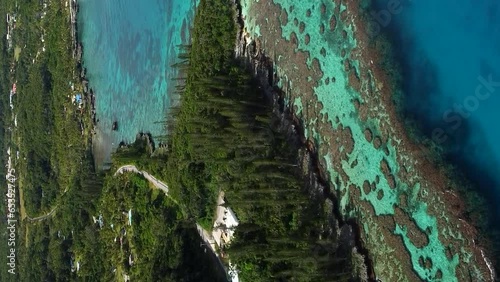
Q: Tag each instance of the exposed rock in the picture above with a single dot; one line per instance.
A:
(347, 233)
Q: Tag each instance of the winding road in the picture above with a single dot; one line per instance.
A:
(205, 235)
(132, 168)
(40, 218)
(126, 168)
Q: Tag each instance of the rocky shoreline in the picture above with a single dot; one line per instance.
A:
(443, 204)
(77, 50)
(438, 177)
(253, 52)
(348, 232)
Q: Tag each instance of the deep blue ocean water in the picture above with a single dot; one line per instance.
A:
(450, 57)
(129, 46)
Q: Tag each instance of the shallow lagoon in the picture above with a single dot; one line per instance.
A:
(129, 47)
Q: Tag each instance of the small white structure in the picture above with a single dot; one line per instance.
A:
(74, 266)
(224, 226)
(230, 222)
(233, 273)
(130, 260)
(99, 220)
(10, 101)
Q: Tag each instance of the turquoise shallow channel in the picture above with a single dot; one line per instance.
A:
(129, 46)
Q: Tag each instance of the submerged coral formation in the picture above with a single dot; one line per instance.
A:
(336, 83)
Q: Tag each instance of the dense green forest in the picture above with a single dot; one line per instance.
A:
(223, 136)
(49, 123)
(4, 93)
(56, 173)
(4, 86)
(55, 166)
(159, 245)
(4, 119)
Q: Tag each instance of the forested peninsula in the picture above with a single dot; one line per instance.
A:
(228, 134)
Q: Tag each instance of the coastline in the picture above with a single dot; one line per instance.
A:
(88, 93)
(434, 176)
(134, 92)
(445, 176)
(409, 154)
(249, 51)
(54, 126)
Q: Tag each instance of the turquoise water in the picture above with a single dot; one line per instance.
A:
(450, 51)
(129, 46)
(306, 20)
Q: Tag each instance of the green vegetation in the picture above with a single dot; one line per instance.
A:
(4, 121)
(213, 36)
(51, 243)
(161, 245)
(55, 170)
(49, 124)
(223, 137)
(4, 91)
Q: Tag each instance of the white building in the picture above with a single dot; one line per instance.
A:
(224, 226)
